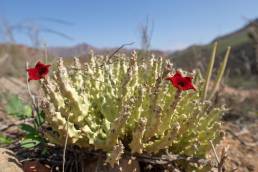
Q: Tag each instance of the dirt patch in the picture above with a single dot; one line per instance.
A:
(243, 147)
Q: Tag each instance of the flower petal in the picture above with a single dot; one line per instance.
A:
(39, 71)
(180, 82)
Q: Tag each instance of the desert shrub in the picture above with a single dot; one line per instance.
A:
(125, 104)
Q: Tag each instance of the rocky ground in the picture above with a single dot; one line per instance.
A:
(243, 147)
(241, 129)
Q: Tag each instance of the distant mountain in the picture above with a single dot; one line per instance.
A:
(77, 50)
(242, 57)
(82, 50)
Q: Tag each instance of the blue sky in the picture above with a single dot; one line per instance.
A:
(110, 23)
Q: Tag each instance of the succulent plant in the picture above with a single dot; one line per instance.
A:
(126, 104)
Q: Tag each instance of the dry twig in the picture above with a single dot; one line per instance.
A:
(66, 140)
(6, 127)
(222, 159)
(29, 90)
(108, 61)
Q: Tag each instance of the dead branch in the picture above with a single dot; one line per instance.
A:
(66, 140)
(108, 61)
(222, 159)
(15, 124)
(235, 136)
(35, 107)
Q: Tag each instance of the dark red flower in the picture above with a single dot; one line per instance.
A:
(181, 82)
(38, 72)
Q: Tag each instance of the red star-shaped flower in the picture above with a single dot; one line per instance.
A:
(180, 82)
(39, 71)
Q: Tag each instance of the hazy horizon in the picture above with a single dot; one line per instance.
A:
(104, 24)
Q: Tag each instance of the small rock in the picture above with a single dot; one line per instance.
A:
(34, 166)
(8, 161)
